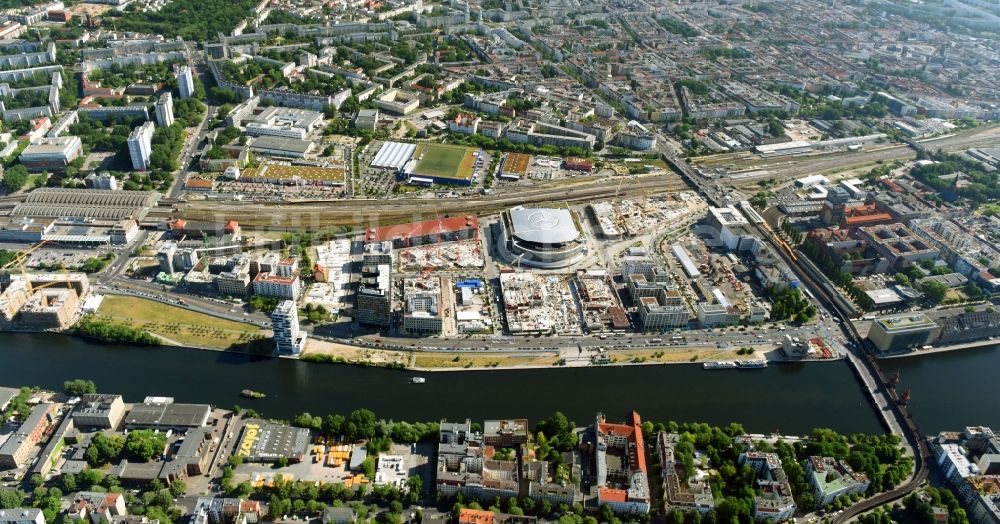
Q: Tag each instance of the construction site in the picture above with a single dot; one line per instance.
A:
(442, 257)
(40, 300)
(472, 306)
(536, 304)
(333, 276)
(705, 277)
(628, 218)
(600, 309)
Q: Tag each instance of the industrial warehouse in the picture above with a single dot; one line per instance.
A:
(87, 203)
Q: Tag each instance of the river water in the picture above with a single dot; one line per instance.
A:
(950, 390)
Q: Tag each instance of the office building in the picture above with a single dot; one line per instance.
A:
(422, 298)
(51, 154)
(374, 299)
(376, 253)
(165, 110)
(713, 315)
(288, 339)
(902, 332)
(235, 282)
(140, 146)
(734, 228)
(99, 411)
(284, 122)
(656, 315)
(165, 256)
(185, 81)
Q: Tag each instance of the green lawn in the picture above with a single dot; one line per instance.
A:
(445, 162)
(177, 324)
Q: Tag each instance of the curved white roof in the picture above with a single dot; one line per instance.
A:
(543, 225)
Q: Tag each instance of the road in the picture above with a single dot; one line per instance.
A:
(881, 393)
(187, 154)
(216, 308)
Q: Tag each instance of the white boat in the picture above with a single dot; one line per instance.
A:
(752, 364)
(719, 365)
(418, 380)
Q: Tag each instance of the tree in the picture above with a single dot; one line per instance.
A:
(144, 444)
(11, 498)
(178, 488)
(361, 424)
(414, 485)
(102, 449)
(368, 467)
(333, 425)
(14, 178)
(934, 290)
(79, 387)
(36, 480)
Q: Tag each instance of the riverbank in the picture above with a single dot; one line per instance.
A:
(469, 360)
(979, 344)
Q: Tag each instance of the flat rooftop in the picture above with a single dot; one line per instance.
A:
(905, 322)
(168, 415)
(306, 173)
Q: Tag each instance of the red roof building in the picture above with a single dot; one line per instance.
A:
(426, 232)
(625, 442)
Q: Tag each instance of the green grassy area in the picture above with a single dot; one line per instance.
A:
(177, 324)
(444, 161)
(468, 359)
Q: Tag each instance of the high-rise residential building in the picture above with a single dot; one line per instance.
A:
(140, 145)
(288, 339)
(165, 110)
(185, 81)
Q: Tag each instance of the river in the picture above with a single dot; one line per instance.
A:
(791, 398)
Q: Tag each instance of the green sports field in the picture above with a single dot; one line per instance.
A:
(445, 161)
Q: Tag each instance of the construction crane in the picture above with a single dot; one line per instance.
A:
(440, 226)
(20, 257)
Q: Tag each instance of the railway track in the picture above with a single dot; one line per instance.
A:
(864, 363)
(367, 212)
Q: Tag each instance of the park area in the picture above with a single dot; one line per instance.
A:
(441, 161)
(177, 326)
